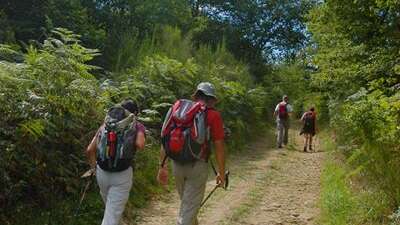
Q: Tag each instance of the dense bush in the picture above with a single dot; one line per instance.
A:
(48, 108)
(370, 125)
(358, 78)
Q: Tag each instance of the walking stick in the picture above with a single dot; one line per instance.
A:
(88, 174)
(208, 196)
(314, 143)
(216, 186)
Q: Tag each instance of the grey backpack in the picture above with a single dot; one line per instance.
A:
(116, 141)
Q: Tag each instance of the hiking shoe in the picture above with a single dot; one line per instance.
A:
(279, 146)
(305, 149)
(310, 148)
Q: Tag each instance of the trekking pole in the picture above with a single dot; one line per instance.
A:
(216, 187)
(315, 139)
(213, 167)
(88, 174)
(226, 174)
(209, 195)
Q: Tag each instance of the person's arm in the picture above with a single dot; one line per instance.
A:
(162, 176)
(140, 136)
(220, 157)
(91, 151)
(218, 136)
(302, 117)
(276, 111)
(140, 141)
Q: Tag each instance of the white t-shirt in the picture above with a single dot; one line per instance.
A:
(289, 108)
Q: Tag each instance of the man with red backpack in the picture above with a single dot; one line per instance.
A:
(189, 129)
(282, 114)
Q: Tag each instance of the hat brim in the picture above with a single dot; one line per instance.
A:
(206, 94)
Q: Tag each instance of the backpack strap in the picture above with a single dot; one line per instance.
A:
(206, 147)
(163, 161)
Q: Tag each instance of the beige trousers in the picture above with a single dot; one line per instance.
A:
(190, 182)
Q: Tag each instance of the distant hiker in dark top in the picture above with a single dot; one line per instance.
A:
(309, 127)
(190, 128)
(111, 154)
(282, 114)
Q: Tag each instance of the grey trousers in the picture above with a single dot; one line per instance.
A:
(283, 132)
(190, 182)
(114, 189)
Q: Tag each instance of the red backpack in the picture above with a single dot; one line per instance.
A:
(185, 134)
(282, 111)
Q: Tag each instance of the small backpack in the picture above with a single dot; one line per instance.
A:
(309, 120)
(185, 134)
(282, 111)
(116, 141)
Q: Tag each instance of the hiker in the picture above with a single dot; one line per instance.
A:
(188, 130)
(309, 127)
(282, 114)
(111, 154)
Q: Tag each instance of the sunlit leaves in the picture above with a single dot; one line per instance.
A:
(357, 55)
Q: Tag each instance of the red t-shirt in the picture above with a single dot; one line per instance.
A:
(214, 121)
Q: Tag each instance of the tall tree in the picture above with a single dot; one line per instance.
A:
(275, 27)
(358, 45)
(260, 32)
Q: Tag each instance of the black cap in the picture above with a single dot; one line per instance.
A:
(130, 105)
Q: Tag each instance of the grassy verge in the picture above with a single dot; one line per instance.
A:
(345, 198)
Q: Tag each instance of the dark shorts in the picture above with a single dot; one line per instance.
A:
(308, 130)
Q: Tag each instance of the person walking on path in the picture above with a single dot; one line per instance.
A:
(191, 170)
(309, 128)
(111, 154)
(282, 114)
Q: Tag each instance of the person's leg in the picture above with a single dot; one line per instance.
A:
(286, 132)
(179, 172)
(280, 129)
(305, 141)
(310, 142)
(103, 182)
(193, 193)
(179, 175)
(118, 195)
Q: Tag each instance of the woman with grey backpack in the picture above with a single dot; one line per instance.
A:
(111, 154)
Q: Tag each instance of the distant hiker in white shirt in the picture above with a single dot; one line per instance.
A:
(282, 114)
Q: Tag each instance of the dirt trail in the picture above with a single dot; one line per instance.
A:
(268, 187)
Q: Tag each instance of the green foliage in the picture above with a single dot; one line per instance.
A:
(49, 103)
(57, 104)
(337, 202)
(357, 53)
(345, 197)
(370, 124)
(155, 52)
(255, 31)
(275, 29)
(291, 79)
